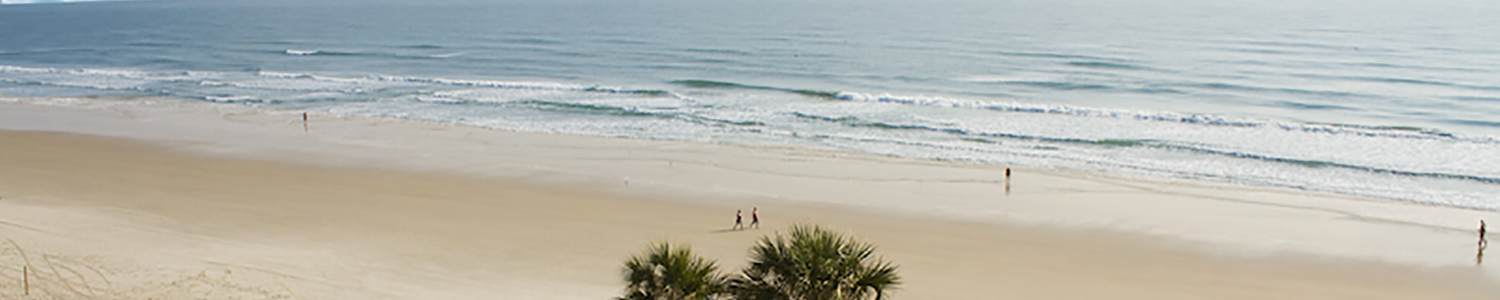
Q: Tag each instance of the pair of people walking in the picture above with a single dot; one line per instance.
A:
(739, 218)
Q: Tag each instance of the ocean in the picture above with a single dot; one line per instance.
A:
(1394, 100)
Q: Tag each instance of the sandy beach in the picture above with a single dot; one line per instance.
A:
(153, 198)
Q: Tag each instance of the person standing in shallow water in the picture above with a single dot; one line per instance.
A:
(755, 217)
(738, 216)
(1007, 181)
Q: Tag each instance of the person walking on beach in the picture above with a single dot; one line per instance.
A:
(1482, 241)
(755, 217)
(738, 215)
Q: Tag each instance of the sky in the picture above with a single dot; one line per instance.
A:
(46, 1)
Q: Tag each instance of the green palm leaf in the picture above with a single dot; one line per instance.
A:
(664, 272)
(813, 263)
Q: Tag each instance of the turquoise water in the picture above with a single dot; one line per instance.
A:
(1391, 100)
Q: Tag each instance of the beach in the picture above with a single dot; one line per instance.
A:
(144, 197)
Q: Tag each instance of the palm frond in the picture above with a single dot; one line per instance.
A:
(813, 263)
(665, 272)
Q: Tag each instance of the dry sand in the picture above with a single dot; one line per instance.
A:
(135, 198)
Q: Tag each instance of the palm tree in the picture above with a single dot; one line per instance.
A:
(812, 263)
(665, 272)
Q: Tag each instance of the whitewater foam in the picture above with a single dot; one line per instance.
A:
(1395, 162)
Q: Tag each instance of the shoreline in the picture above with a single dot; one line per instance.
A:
(1262, 239)
(728, 172)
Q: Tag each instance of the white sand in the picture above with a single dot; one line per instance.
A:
(421, 210)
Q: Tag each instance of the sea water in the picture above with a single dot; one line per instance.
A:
(1387, 99)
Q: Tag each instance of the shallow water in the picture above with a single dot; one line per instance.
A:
(1390, 100)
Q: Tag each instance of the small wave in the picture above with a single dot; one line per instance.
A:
(1480, 123)
(1328, 164)
(979, 140)
(334, 53)
(444, 100)
(1059, 85)
(1386, 128)
(1475, 98)
(1382, 131)
(1299, 45)
(596, 108)
(1258, 51)
(1400, 80)
(852, 121)
(462, 97)
(1360, 130)
(1122, 143)
(359, 83)
(620, 111)
(1310, 106)
(1052, 109)
(717, 51)
(1106, 65)
(816, 93)
(307, 83)
(97, 79)
(521, 85)
(1062, 83)
(966, 134)
(845, 119)
(231, 99)
(620, 90)
(527, 85)
(1396, 80)
(1383, 65)
(274, 74)
(91, 72)
(1157, 90)
(1247, 88)
(294, 52)
(708, 83)
(699, 83)
(969, 135)
(1056, 55)
(534, 41)
(621, 41)
(154, 44)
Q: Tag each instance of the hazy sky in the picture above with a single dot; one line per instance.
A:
(46, 1)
